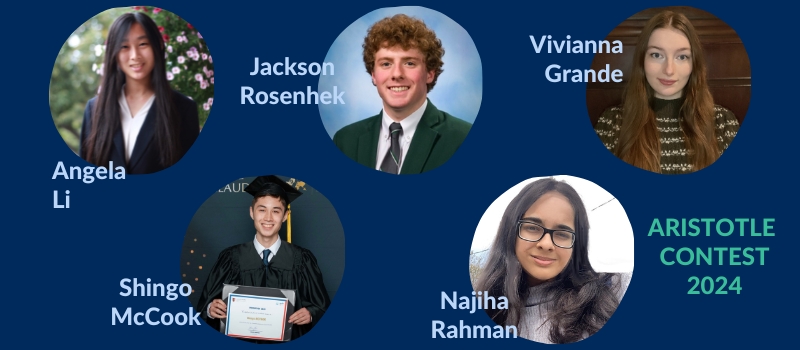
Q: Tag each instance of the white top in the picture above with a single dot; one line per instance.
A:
(272, 249)
(535, 323)
(409, 125)
(132, 124)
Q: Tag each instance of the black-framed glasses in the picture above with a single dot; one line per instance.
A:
(533, 232)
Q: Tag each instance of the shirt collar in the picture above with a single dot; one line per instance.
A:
(260, 248)
(409, 124)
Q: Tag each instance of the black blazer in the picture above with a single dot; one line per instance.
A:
(145, 157)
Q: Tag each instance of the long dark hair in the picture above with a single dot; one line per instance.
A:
(106, 113)
(583, 300)
(639, 141)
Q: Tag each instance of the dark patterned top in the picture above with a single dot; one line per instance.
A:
(674, 158)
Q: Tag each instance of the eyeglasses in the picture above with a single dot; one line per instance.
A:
(533, 232)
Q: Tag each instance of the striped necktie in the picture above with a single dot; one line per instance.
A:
(391, 162)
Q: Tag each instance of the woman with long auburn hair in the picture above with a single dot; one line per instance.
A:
(668, 122)
(539, 261)
(136, 120)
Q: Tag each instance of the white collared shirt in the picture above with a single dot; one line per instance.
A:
(409, 125)
(273, 249)
(132, 124)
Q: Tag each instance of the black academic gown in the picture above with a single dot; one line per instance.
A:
(293, 267)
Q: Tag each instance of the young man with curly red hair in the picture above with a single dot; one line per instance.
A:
(410, 135)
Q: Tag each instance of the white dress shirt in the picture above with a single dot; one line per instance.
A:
(132, 124)
(409, 125)
(273, 249)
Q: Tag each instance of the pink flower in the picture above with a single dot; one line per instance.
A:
(205, 106)
(203, 84)
(169, 48)
(205, 56)
(211, 81)
(199, 36)
(181, 59)
(210, 101)
(198, 77)
(170, 76)
(160, 29)
(209, 59)
(156, 10)
(176, 70)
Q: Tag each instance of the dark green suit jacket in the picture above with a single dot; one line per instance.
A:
(437, 137)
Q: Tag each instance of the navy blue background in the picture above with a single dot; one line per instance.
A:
(70, 261)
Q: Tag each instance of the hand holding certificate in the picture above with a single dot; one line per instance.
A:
(256, 317)
(300, 317)
(260, 313)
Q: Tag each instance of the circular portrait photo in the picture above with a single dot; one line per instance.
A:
(684, 94)
(414, 81)
(264, 257)
(132, 87)
(560, 250)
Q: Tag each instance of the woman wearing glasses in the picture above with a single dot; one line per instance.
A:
(539, 261)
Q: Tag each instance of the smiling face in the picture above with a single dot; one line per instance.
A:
(542, 260)
(402, 80)
(268, 215)
(668, 62)
(135, 57)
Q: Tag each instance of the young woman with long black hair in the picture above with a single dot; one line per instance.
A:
(539, 261)
(137, 120)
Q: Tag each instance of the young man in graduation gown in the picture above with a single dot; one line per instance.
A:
(266, 261)
(410, 135)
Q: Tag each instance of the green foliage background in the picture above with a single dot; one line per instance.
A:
(77, 71)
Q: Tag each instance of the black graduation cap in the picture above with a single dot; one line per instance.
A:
(272, 185)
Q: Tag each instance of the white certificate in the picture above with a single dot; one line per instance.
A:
(256, 317)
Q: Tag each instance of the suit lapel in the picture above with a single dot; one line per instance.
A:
(422, 144)
(368, 143)
(119, 146)
(145, 135)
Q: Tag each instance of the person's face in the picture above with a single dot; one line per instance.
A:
(268, 216)
(668, 63)
(542, 260)
(135, 57)
(401, 78)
